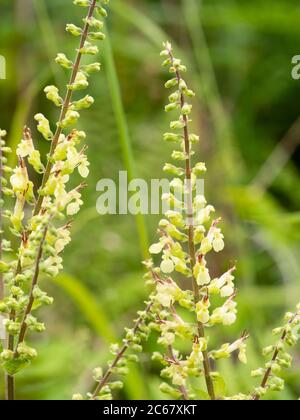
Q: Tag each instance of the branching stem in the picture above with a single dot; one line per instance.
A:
(182, 388)
(119, 356)
(265, 380)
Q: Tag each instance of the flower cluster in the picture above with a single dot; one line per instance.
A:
(121, 355)
(188, 233)
(186, 301)
(280, 357)
(43, 232)
(5, 191)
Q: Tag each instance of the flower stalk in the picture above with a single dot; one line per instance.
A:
(187, 235)
(41, 236)
(280, 357)
(191, 244)
(24, 326)
(66, 104)
(103, 381)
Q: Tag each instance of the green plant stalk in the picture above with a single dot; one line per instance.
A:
(119, 356)
(192, 251)
(9, 380)
(54, 142)
(207, 82)
(70, 284)
(96, 317)
(34, 282)
(124, 136)
(65, 107)
(116, 97)
(232, 161)
(211, 97)
(268, 372)
(1, 222)
(21, 112)
(1, 234)
(41, 11)
(182, 388)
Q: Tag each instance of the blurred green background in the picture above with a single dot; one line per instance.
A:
(247, 112)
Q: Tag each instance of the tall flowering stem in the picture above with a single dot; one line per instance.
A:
(182, 286)
(281, 359)
(42, 235)
(187, 235)
(66, 102)
(4, 244)
(1, 208)
(190, 218)
(130, 340)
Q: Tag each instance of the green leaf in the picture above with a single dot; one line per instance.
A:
(12, 367)
(219, 386)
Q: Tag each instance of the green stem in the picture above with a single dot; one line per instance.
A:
(10, 388)
(1, 224)
(46, 175)
(65, 107)
(191, 242)
(182, 388)
(2, 295)
(34, 282)
(9, 380)
(266, 377)
(119, 356)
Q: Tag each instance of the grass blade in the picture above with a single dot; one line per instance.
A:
(124, 136)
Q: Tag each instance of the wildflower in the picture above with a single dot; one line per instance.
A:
(44, 126)
(83, 103)
(202, 310)
(73, 29)
(26, 148)
(223, 285)
(167, 293)
(63, 61)
(88, 48)
(225, 314)
(53, 95)
(201, 274)
(80, 82)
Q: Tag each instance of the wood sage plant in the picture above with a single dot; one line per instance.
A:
(187, 303)
(39, 221)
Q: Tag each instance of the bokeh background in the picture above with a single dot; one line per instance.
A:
(247, 112)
